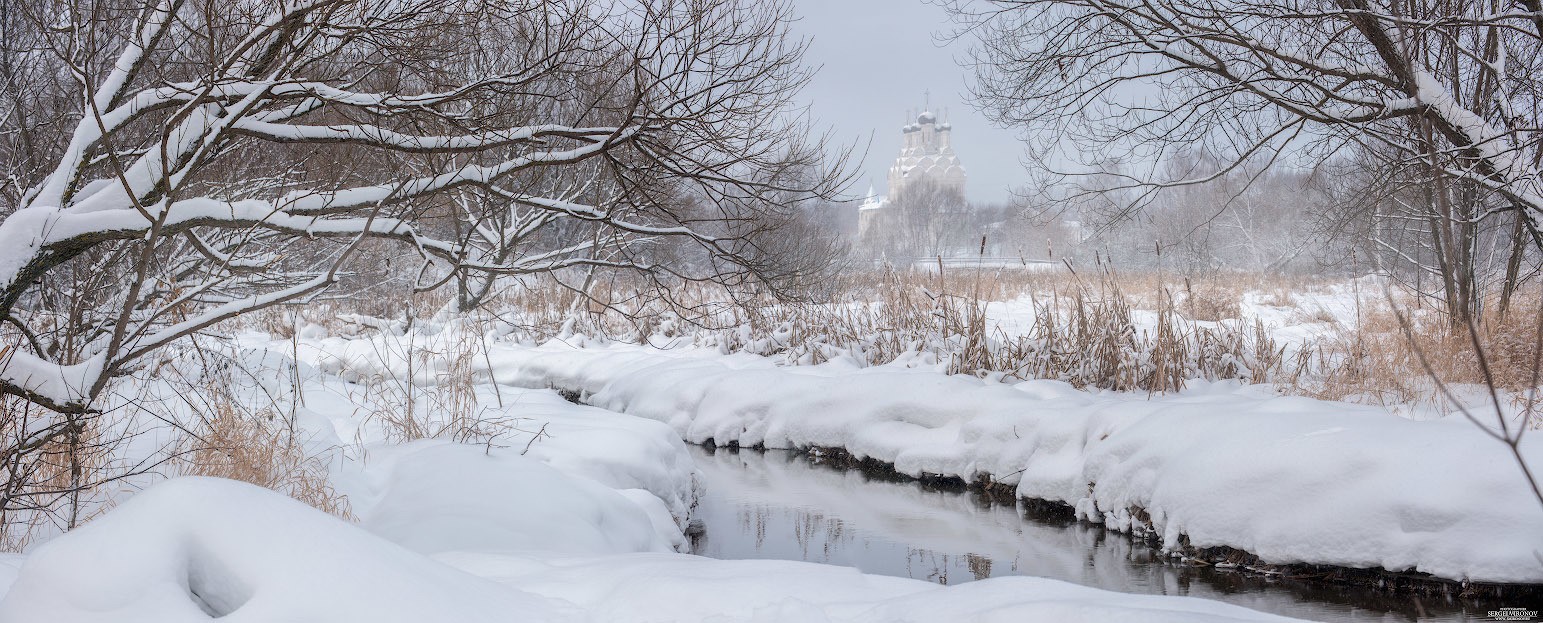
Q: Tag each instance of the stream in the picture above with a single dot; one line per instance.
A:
(781, 505)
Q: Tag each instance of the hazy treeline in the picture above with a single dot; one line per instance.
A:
(1419, 119)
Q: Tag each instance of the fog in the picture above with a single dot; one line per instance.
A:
(881, 58)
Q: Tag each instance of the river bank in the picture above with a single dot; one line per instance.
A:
(1210, 473)
(568, 513)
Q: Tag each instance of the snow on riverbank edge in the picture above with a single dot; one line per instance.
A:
(195, 548)
(1287, 479)
(575, 526)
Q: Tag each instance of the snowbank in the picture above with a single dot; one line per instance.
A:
(672, 587)
(539, 444)
(570, 513)
(435, 496)
(1289, 479)
(191, 549)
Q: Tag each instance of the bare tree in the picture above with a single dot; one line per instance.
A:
(926, 219)
(1448, 89)
(1438, 99)
(1447, 241)
(225, 157)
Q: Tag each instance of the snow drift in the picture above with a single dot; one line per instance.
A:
(434, 496)
(192, 548)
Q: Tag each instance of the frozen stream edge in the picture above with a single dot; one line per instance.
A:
(1218, 473)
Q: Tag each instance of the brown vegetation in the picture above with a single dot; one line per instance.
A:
(1084, 331)
(254, 447)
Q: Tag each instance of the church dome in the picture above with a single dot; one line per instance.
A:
(926, 117)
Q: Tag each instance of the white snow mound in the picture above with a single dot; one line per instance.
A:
(190, 549)
(435, 496)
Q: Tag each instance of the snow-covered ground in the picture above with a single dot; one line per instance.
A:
(561, 513)
(191, 549)
(1289, 479)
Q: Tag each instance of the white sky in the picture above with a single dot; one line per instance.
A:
(877, 57)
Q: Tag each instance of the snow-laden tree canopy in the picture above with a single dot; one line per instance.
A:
(174, 163)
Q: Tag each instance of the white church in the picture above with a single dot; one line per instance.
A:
(942, 224)
(926, 153)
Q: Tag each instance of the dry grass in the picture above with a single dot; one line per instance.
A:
(432, 393)
(1105, 329)
(224, 436)
(1084, 331)
(1391, 356)
(50, 465)
(256, 447)
(1211, 302)
(1088, 337)
(48, 480)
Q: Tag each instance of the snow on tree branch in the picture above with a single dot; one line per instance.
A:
(213, 163)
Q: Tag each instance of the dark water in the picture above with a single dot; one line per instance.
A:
(780, 505)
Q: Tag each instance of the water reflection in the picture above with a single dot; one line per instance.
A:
(776, 505)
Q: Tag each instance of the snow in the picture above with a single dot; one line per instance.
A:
(436, 496)
(572, 513)
(62, 384)
(1219, 464)
(579, 446)
(652, 587)
(192, 548)
(1289, 479)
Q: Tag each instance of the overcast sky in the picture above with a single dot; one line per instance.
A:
(878, 57)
